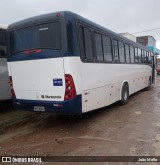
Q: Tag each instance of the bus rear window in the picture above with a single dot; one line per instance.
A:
(46, 35)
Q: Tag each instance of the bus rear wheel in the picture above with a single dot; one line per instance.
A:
(124, 94)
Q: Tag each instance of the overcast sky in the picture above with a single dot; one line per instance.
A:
(117, 15)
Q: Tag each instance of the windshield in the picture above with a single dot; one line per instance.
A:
(46, 35)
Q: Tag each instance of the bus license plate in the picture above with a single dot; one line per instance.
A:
(37, 108)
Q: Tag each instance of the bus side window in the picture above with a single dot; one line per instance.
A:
(107, 48)
(132, 54)
(121, 52)
(127, 53)
(115, 48)
(143, 57)
(99, 49)
(136, 55)
(149, 58)
(86, 43)
(139, 55)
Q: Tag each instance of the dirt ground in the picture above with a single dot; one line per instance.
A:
(129, 130)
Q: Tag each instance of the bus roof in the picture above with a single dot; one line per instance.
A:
(70, 15)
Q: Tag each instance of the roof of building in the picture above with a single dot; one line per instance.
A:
(154, 50)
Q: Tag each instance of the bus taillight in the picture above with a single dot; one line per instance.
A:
(11, 86)
(32, 51)
(70, 91)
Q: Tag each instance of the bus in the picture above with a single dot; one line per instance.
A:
(63, 63)
(5, 93)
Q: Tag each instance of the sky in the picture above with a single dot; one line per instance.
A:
(117, 15)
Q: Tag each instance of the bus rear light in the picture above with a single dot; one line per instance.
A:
(11, 86)
(70, 91)
(32, 51)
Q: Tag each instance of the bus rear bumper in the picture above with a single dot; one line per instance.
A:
(69, 107)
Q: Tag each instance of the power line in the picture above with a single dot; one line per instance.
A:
(147, 30)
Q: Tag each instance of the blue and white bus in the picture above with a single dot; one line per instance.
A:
(5, 93)
(63, 63)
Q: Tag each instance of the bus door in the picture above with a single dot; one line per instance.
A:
(153, 61)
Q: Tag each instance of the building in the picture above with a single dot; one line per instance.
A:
(129, 36)
(149, 42)
(146, 41)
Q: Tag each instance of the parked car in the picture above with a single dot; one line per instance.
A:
(158, 68)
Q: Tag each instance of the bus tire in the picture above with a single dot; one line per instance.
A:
(124, 94)
(149, 84)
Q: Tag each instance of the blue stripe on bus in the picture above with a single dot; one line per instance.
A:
(44, 54)
(70, 107)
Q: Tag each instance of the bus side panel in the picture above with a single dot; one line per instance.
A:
(101, 83)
